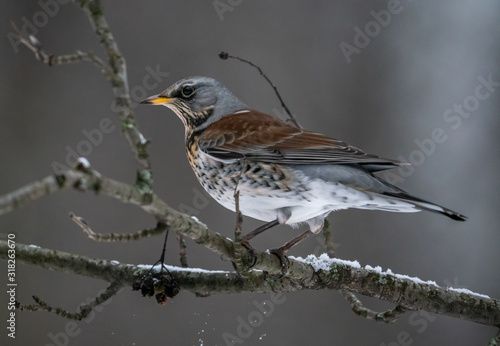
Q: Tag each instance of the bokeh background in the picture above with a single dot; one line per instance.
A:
(393, 92)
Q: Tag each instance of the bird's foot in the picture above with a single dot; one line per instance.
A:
(243, 264)
(285, 262)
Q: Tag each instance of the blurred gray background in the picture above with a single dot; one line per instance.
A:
(395, 91)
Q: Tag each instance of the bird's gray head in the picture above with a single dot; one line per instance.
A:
(197, 101)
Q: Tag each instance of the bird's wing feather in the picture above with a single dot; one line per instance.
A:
(257, 136)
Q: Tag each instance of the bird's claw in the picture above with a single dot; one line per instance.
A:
(239, 266)
(285, 262)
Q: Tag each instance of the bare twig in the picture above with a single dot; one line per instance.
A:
(84, 309)
(388, 316)
(239, 217)
(356, 305)
(240, 261)
(119, 81)
(224, 56)
(33, 44)
(330, 245)
(182, 250)
(116, 237)
(115, 71)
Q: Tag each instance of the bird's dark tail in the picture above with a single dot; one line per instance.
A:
(425, 205)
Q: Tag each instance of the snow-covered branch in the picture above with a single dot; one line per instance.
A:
(310, 273)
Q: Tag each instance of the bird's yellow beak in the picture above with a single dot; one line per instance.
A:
(157, 100)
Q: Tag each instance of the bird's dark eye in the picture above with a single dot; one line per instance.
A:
(187, 90)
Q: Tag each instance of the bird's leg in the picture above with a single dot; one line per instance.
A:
(281, 252)
(245, 242)
(259, 230)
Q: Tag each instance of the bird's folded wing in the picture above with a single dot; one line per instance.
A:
(257, 136)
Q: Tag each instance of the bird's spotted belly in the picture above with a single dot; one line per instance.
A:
(263, 188)
(266, 191)
(271, 191)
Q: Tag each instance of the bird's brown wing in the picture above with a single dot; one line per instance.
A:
(257, 136)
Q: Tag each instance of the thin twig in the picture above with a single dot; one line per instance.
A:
(116, 73)
(33, 44)
(330, 244)
(116, 237)
(84, 309)
(239, 218)
(388, 316)
(182, 250)
(224, 56)
(119, 82)
(240, 262)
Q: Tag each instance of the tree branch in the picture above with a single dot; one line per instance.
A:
(83, 310)
(116, 237)
(115, 71)
(119, 81)
(33, 44)
(388, 316)
(334, 274)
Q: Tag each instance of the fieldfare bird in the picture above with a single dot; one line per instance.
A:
(284, 175)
